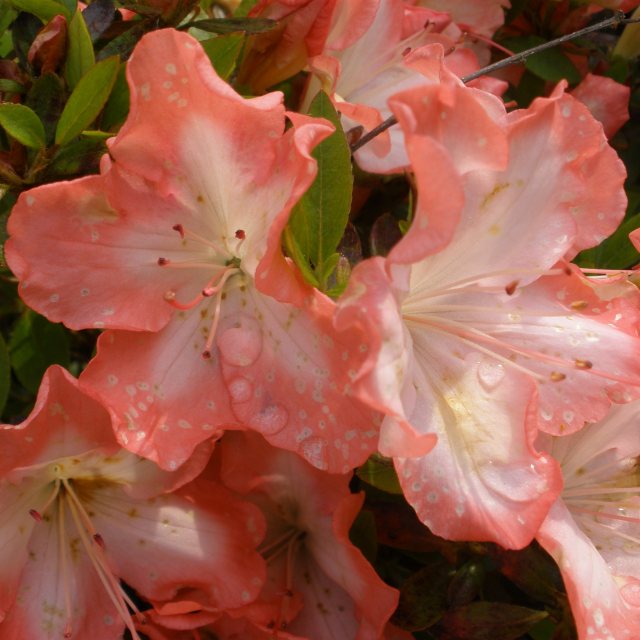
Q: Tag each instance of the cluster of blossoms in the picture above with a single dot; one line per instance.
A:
(219, 423)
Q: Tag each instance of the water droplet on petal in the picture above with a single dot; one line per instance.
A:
(240, 389)
(270, 420)
(490, 374)
(314, 450)
(241, 346)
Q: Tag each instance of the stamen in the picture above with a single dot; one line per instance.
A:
(556, 376)
(117, 595)
(510, 289)
(584, 364)
(206, 354)
(222, 275)
(609, 529)
(35, 515)
(207, 242)
(62, 547)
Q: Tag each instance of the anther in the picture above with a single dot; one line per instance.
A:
(240, 234)
(99, 540)
(578, 305)
(179, 228)
(567, 270)
(206, 354)
(169, 296)
(584, 364)
(407, 51)
(556, 376)
(35, 515)
(510, 289)
(163, 262)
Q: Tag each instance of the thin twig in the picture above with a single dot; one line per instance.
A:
(616, 20)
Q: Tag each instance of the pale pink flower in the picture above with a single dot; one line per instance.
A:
(486, 334)
(482, 17)
(593, 530)
(80, 514)
(176, 245)
(319, 585)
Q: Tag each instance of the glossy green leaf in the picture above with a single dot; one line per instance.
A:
(47, 97)
(44, 9)
(423, 597)
(87, 100)
(23, 124)
(551, 65)
(234, 25)
(223, 52)
(5, 374)
(489, 621)
(380, 473)
(320, 217)
(80, 57)
(117, 108)
(36, 344)
(615, 252)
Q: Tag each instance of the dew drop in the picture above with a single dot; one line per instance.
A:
(240, 389)
(241, 346)
(270, 420)
(314, 450)
(490, 374)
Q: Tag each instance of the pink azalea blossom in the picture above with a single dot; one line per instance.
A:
(176, 246)
(80, 513)
(487, 335)
(607, 100)
(593, 530)
(482, 17)
(318, 584)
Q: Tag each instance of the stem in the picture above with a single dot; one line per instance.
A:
(616, 20)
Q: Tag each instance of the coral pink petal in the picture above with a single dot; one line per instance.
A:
(607, 100)
(289, 376)
(55, 222)
(482, 480)
(39, 612)
(167, 398)
(595, 594)
(211, 548)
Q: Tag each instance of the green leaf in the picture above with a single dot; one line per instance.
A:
(489, 621)
(244, 7)
(615, 252)
(296, 253)
(223, 52)
(23, 124)
(380, 473)
(80, 56)
(117, 108)
(36, 344)
(319, 219)
(11, 86)
(233, 25)
(551, 65)
(87, 100)
(5, 374)
(44, 9)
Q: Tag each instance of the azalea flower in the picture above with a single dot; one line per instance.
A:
(593, 529)
(176, 246)
(80, 514)
(487, 334)
(319, 585)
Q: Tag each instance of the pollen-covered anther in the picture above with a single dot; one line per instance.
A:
(241, 234)
(169, 296)
(583, 364)
(556, 376)
(35, 515)
(180, 229)
(407, 51)
(99, 540)
(578, 305)
(510, 289)
(163, 262)
(206, 354)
